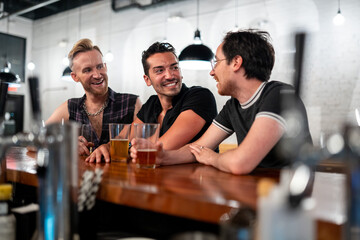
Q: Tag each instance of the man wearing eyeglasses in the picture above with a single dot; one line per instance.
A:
(100, 105)
(241, 69)
(184, 113)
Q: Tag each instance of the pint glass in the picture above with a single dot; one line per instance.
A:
(146, 135)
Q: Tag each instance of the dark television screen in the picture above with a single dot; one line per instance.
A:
(12, 49)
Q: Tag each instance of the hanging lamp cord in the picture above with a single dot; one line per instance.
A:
(197, 15)
(236, 13)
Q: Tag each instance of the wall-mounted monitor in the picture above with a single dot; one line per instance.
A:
(13, 50)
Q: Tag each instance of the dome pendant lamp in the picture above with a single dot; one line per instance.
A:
(196, 56)
(339, 19)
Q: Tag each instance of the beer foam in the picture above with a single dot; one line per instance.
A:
(146, 150)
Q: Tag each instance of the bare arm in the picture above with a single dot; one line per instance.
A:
(59, 114)
(262, 137)
(186, 126)
(211, 139)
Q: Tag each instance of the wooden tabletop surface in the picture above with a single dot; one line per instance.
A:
(193, 191)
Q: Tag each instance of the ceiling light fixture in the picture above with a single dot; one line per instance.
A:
(196, 56)
(176, 17)
(6, 75)
(109, 56)
(65, 61)
(339, 19)
(66, 75)
(31, 66)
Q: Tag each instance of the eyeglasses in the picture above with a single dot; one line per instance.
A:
(215, 61)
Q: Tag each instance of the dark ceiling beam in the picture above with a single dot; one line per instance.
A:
(132, 4)
(29, 9)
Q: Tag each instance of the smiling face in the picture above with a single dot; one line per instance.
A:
(221, 72)
(164, 74)
(89, 69)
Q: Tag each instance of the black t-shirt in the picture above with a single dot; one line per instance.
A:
(198, 99)
(266, 102)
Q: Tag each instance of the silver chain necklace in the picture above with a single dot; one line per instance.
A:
(98, 112)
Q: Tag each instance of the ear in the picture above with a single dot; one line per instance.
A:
(73, 76)
(237, 62)
(147, 80)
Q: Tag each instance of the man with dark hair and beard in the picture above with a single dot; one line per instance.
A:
(242, 67)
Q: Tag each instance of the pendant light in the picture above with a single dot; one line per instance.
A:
(5, 73)
(66, 75)
(196, 56)
(67, 71)
(339, 18)
(6, 78)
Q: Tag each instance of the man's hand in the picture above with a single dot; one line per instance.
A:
(99, 153)
(159, 148)
(203, 154)
(84, 145)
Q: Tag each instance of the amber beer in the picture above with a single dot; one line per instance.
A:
(119, 149)
(146, 158)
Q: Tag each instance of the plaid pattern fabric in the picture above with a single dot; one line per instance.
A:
(120, 109)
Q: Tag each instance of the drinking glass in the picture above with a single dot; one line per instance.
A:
(146, 135)
(119, 141)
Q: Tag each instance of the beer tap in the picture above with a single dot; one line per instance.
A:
(57, 170)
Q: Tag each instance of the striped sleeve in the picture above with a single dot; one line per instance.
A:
(222, 127)
(274, 116)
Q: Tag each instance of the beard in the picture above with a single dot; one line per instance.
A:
(97, 91)
(224, 89)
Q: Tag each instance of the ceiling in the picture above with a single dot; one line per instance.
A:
(37, 9)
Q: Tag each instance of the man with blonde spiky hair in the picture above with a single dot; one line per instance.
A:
(100, 105)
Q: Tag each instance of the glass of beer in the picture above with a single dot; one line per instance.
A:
(146, 135)
(119, 141)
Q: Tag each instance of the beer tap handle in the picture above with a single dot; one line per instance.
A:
(35, 98)
(300, 48)
(4, 89)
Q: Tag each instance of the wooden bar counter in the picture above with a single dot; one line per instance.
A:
(189, 191)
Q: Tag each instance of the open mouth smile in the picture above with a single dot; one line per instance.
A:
(170, 84)
(98, 83)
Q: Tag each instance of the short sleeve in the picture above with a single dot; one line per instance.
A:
(147, 112)
(202, 102)
(271, 106)
(222, 120)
